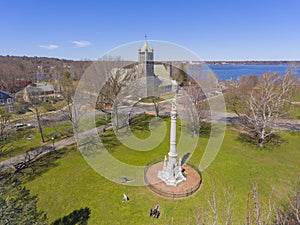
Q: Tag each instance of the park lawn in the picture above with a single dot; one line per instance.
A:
(295, 112)
(151, 99)
(102, 120)
(297, 95)
(168, 95)
(164, 96)
(20, 144)
(72, 184)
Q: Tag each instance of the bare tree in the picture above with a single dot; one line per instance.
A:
(155, 101)
(4, 121)
(256, 204)
(238, 92)
(213, 207)
(199, 101)
(265, 104)
(68, 87)
(180, 74)
(228, 198)
(10, 74)
(294, 204)
(34, 101)
(218, 211)
(259, 212)
(289, 213)
(118, 78)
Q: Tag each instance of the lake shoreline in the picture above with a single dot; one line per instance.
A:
(254, 62)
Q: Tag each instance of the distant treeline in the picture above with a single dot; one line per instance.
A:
(16, 69)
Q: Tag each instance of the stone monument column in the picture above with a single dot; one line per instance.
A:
(172, 153)
(171, 172)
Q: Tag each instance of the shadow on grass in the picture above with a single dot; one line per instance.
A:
(271, 141)
(109, 140)
(141, 123)
(102, 120)
(204, 129)
(185, 158)
(78, 217)
(42, 164)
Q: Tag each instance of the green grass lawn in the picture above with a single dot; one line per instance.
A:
(70, 183)
(151, 99)
(295, 112)
(18, 143)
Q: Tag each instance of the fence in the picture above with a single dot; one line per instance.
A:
(172, 194)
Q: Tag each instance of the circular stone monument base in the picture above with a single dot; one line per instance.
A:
(182, 190)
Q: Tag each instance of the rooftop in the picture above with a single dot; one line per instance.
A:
(146, 47)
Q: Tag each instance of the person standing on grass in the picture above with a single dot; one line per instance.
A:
(125, 198)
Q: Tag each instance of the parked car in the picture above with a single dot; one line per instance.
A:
(19, 126)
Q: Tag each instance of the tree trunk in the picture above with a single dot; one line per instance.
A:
(156, 110)
(262, 138)
(260, 143)
(39, 123)
(116, 119)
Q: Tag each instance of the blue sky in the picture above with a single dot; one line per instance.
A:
(215, 30)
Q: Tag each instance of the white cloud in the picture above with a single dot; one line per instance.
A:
(50, 47)
(82, 43)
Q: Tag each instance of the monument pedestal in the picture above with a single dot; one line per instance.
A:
(171, 173)
(182, 190)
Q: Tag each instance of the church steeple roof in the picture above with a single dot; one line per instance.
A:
(146, 46)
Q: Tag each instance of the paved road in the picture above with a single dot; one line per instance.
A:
(49, 116)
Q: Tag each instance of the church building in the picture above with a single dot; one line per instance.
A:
(158, 74)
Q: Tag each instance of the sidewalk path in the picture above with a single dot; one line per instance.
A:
(36, 153)
(9, 163)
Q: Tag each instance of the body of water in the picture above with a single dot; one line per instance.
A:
(233, 72)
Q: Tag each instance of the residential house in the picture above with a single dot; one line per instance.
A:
(43, 91)
(6, 100)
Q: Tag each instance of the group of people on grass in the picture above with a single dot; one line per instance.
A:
(153, 212)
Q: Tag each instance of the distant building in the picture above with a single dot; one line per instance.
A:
(15, 86)
(44, 76)
(160, 74)
(6, 100)
(146, 61)
(156, 75)
(41, 91)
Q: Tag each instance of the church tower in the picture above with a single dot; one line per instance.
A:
(146, 61)
(146, 69)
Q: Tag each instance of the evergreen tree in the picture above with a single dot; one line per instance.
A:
(17, 206)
